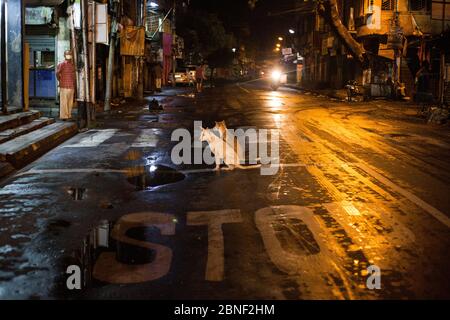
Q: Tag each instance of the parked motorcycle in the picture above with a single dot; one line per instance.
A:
(352, 90)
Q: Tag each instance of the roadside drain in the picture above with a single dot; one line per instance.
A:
(155, 175)
(77, 193)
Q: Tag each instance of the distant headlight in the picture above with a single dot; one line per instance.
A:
(276, 75)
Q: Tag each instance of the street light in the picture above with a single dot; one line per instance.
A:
(280, 38)
(234, 49)
(278, 45)
(277, 49)
(153, 4)
(291, 31)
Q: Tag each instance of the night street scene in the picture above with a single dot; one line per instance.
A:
(252, 152)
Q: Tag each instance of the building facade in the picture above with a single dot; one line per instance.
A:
(399, 37)
(35, 34)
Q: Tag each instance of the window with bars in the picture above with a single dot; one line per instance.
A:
(388, 5)
(419, 5)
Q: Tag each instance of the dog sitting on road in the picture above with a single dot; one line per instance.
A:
(227, 136)
(223, 151)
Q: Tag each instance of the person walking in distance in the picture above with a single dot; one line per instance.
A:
(65, 73)
(200, 76)
(158, 76)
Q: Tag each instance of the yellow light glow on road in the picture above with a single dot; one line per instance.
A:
(278, 119)
(275, 101)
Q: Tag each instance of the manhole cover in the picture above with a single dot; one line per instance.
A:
(156, 175)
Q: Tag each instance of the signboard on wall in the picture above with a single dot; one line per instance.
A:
(286, 51)
(132, 41)
(101, 23)
(38, 15)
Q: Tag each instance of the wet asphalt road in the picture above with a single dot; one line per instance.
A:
(360, 185)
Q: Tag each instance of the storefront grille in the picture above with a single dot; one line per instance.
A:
(388, 5)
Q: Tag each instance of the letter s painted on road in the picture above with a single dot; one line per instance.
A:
(108, 269)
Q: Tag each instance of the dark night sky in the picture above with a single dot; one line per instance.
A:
(263, 29)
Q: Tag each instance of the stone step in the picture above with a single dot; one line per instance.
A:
(26, 148)
(12, 110)
(10, 134)
(16, 119)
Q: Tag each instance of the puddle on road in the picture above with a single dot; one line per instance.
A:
(56, 226)
(149, 118)
(187, 95)
(154, 176)
(101, 243)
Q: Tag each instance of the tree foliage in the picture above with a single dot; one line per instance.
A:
(204, 35)
(220, 58)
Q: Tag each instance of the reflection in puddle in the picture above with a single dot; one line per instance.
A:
(100, 242)
(188, 95)
(155, 175)
(134, 249)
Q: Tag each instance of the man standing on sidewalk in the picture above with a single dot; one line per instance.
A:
(200, 76)
(65, 73)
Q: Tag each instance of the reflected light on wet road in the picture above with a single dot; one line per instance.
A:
(275, 103)
(278, 118)
(275, 100)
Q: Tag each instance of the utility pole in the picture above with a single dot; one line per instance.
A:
(442, 61)
(174, 28)
(3, 79)
(93, 55)
(73, 39)
(112, 46)
(84, 30)
(140, 59)
(79, 61)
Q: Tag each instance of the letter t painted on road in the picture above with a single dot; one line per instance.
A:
(214, 221)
